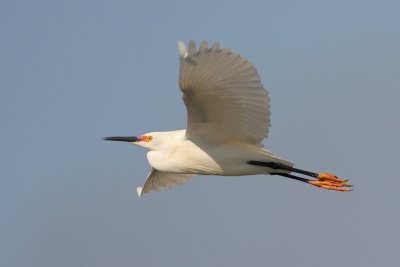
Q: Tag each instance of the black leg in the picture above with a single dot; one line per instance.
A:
(291, 177)
(279, 166)
(324, 180)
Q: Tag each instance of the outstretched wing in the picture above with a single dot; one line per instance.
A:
(223, 94)
(158, 180)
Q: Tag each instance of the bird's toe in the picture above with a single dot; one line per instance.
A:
(331, 182)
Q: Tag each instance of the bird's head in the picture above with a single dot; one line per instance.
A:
(148, 140)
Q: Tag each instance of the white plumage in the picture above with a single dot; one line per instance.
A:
(223, 95)
(227, 118)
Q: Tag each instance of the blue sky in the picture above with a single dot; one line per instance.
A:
(75, 71)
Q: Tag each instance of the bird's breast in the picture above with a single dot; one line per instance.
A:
(184, 157)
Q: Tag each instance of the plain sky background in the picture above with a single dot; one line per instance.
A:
(72, 72)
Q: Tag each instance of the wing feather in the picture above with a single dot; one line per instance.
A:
(157, 180)
(223, 94)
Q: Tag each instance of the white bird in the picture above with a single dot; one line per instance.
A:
(227, 118)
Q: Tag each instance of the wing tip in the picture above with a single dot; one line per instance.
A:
(139, 190)
(183, 52)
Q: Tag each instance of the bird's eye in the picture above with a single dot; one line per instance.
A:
(149, 138)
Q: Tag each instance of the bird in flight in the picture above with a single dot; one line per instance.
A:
(227, 118)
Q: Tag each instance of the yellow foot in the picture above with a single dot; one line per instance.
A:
(331, 182)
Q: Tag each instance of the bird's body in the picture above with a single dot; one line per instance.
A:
(228, 117)
(207, 157)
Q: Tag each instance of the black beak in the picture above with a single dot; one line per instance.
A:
(121, 138)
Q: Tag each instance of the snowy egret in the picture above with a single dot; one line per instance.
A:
(227, 118)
